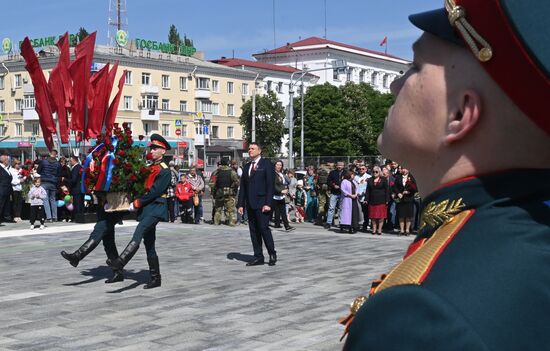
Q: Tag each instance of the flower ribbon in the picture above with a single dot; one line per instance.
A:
(110, 165)
(106, 167)
(87, 163)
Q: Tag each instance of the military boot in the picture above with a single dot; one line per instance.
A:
(126, 255)
(79, 254)
(154, 270)
(118, 274)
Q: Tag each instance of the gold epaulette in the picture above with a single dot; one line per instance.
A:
(415, 268)
(163, 165)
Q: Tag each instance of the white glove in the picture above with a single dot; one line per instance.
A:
(106, 207)
(131, 208)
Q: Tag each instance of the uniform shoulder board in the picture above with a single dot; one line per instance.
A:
(163, 165)
(415, 268)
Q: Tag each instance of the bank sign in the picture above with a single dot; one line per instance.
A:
(50, 41)
(166, 48)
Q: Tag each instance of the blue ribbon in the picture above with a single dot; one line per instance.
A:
(87, 162)
(111, 165)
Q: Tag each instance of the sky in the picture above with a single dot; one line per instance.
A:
(237, 28)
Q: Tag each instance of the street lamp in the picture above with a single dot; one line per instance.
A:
(340, 64)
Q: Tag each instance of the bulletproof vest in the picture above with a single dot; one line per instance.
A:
(224, 179)
(322, 176)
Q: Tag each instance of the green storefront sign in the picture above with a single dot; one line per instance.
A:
(50, 41)
(166, 48)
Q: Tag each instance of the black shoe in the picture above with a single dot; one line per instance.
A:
(272, 259)
(125, 256)
(326, 226)
(256, 262)
(118, 276)
(154, 270)
(277, 226)
(79, 254)
(289, 229)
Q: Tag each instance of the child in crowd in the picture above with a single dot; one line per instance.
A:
(184, 193)
(37, 195)
(300, 202)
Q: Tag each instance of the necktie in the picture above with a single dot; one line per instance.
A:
(253, 168)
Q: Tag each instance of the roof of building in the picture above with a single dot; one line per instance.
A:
(311, 42)
(237, 62)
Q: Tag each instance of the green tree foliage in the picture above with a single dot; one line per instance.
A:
(174, 37)
(270, 116)
(82, 33)
(342, 120)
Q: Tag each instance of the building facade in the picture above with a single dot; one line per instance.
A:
(194, 104)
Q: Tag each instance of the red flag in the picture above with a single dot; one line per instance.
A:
(96, 112)
(111, 114)
(384, 41)
(41, 94)
(80, 90)
(63, 65)
(55, 85)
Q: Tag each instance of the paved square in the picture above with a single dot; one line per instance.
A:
(208, 300)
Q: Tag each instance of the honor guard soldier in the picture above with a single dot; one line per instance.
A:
(152, 208)
(470, 118)
(226, 186)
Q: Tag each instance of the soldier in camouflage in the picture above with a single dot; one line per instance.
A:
(323, 193)
(227, 182)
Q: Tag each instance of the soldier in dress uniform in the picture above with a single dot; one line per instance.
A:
(152, 208)
(471, 119)
(226, 186)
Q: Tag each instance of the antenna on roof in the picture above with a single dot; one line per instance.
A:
(325, 20)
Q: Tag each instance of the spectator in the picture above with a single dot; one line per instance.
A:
(378, 196)
(16, 180)
(76, 187)
(391, 221)
(349, 209)
(361, 180)
(281, 191)
(171, 193)
(300, 201)
(50, 173)
(310, 186)
(197, 184)
(291, 196)
(184, 193)
(334, 179)
(37, 197)
(403, 194)
(5, 186)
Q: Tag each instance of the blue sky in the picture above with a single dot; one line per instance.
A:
(220, 27)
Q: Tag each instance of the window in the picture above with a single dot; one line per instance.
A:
(215, 109)
(3, 130)
(18, 81)
(147, 128)
(349, 73)
(385, 80)
(2, 84)
(374, 79)
(2, 106)
(362, 75)
(183, 106)
(183, 83)
(214, 132)
(165, 81)
(35, 129)
(203, 83)
(129, 126)
(245, 89)
(203, 106)
(165, 130)
(165, 105)
(128, 78)
(231, 110)
(149, 102)
(18, 105)
(127, 102)
(184, 130)
(230, 87)
(335, 74)
(146, 78)
(230, 131)
(28, 102)
(18, 129)
(216, 86)
(279, 88)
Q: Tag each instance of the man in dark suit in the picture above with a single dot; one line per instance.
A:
(5, 184)
(76, 191)
(256, 193)
(152, 208)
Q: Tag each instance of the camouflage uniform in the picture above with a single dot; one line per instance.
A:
(323, 193)
(226, 185)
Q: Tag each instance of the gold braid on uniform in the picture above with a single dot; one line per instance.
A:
(435, 214)
(457, 17)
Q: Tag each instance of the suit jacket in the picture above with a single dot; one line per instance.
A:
(5, 182)
(410, 186)
(257, 189)
(75, 180)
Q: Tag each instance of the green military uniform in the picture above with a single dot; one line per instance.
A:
(227, 182)
(152, 208)
(323, 193)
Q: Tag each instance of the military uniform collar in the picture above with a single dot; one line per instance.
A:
(481, 191)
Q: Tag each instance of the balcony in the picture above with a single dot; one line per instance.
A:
(30, 115)
(150, 115)
(202, 94)
(28, 89)
(149, 89)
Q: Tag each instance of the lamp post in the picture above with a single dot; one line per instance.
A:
(340, 64)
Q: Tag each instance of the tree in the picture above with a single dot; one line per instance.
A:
(270, 116)
(341, 121)
(174, 38)
(187, 41)
(82, 33)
